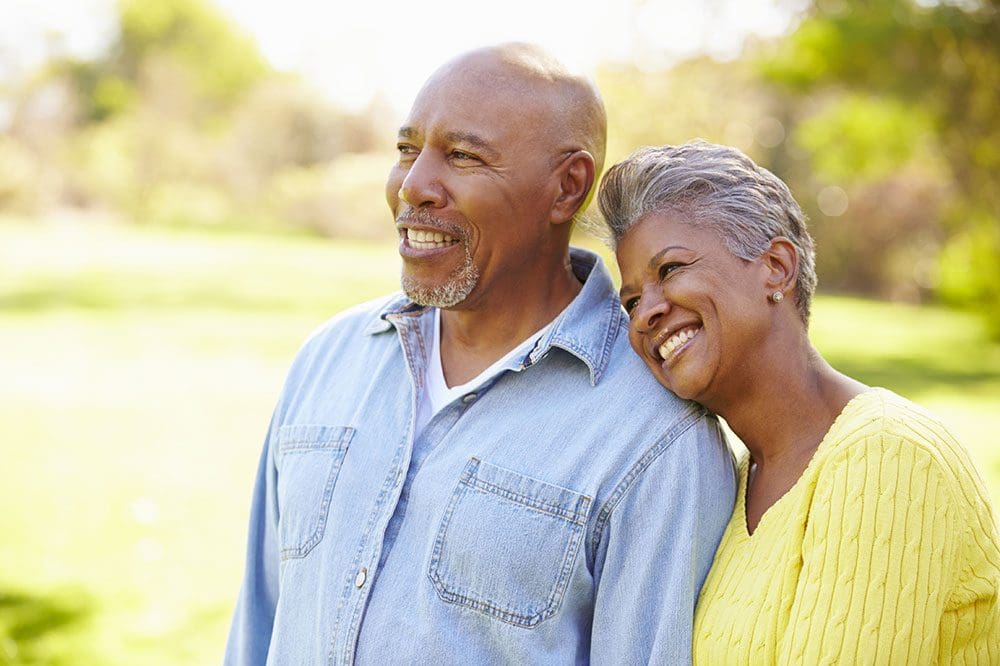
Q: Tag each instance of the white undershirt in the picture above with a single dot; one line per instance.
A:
(437, 394)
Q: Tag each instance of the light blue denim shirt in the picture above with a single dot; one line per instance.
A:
(566, 512)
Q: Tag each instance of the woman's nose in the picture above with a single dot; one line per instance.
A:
(650, 309)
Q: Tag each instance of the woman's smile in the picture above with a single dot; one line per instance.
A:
(670, 344)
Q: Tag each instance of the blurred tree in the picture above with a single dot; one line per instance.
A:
(181, 122)
(881, 235)
(182, 35)
(656, 107)
(221, 63)
(927, 76)
(283, 123)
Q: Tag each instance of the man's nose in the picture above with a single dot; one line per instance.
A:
(422, 184)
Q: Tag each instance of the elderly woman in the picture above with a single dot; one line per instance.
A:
(862, 532)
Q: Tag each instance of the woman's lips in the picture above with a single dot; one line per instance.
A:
(677, 341)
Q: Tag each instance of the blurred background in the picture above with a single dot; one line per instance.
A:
(188, 188)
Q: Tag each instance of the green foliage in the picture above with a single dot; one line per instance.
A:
(112, 95)
(223, 63)
(900, 47)
(182, 124)
(969, 270)
(34, 628)
(925, 77)
(101, 93)
(864, 138)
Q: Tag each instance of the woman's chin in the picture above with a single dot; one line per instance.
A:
(681, 382)
(685, 392)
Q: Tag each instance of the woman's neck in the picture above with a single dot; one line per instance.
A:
(783, 412)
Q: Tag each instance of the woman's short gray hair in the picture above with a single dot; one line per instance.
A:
(718, 187)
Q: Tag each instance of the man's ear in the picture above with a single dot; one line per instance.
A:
(576, 179)
(782, 265)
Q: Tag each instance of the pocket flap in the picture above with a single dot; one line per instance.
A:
(309, 437)
(533, 493)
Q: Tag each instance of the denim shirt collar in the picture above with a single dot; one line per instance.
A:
(586, 328)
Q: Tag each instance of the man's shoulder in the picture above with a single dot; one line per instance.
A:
(354, 320)
(627, 375)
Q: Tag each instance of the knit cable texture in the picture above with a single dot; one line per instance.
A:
(885, 551)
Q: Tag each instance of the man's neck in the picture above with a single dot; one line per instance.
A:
(473, 338)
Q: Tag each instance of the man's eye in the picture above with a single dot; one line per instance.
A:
(462, 155)
(406, 149)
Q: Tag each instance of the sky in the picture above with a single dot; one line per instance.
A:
(353, 51)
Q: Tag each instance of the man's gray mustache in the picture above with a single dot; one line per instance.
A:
(430, 222)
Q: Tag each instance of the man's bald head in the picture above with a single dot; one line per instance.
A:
(568, 111)
(498, 156)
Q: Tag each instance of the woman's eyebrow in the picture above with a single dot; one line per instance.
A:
(653, 261)
(656, 258)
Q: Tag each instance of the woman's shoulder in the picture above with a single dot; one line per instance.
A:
(885, 420)
(884, 433)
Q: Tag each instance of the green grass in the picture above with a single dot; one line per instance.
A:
(139, 369)
(941, 358)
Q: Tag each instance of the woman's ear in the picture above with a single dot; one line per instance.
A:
(782, 265)
(576, 179)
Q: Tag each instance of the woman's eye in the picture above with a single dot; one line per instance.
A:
(667, 269)
(630, 304)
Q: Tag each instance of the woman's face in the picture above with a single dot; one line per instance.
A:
(697, 312)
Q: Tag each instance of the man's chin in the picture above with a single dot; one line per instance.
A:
(441, 295)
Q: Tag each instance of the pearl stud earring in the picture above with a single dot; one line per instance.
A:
(777, 296)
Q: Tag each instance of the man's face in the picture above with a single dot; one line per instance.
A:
(471, 192)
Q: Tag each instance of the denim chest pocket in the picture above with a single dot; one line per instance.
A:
(507, 544)
(308, 461)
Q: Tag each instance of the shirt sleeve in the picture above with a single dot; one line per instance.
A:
(877, 558)
(253, 619)
(657, 543)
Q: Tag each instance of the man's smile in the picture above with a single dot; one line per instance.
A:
(420, 239)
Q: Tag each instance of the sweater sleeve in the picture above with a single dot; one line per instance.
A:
(877, 558)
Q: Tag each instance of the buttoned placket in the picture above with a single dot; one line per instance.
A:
(364, 569)
(382, 528)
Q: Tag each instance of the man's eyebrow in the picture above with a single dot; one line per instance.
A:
(474, 141)
(470, 139)
(653, 261)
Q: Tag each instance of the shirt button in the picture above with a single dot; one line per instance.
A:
(359, 580)
(469, 398)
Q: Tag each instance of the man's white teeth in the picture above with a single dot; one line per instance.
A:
(425, 240)
(676, 340)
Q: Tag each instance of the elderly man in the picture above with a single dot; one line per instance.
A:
(480, 471)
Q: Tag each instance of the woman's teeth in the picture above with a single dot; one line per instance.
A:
(676, 340)
(426, 240)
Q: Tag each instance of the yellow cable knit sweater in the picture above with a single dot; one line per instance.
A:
(885, 551)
